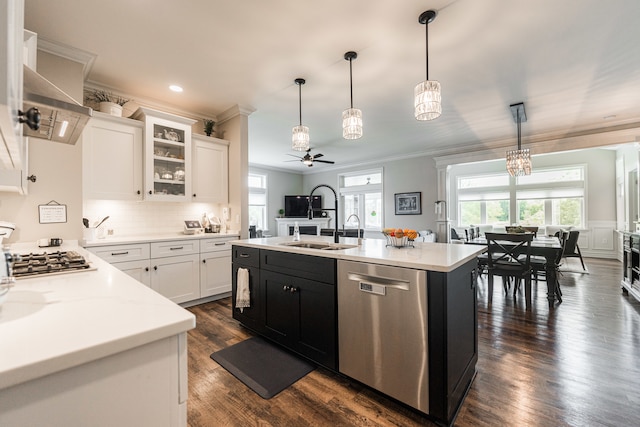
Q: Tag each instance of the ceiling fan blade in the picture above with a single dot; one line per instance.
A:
(324, 161)
(293, 155)
(318, 155)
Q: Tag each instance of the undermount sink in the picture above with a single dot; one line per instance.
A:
(319, 245)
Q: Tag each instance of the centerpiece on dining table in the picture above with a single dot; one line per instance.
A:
(516, 229)
(399, 237)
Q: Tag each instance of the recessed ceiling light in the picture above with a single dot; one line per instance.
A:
(175, 88)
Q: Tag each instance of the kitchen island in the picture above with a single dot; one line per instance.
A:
(91, 348)
(400, 320)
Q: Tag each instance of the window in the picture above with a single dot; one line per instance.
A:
(258, 201)
(361, 194)
(553, 196)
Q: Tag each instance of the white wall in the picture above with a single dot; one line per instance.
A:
(279, 184)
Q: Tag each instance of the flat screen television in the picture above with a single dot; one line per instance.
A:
(296, 206)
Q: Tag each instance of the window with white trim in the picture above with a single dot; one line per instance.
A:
(361, 194)
(552, 196)
(258, 201)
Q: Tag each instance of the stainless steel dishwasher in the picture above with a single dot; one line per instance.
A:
(382, 328)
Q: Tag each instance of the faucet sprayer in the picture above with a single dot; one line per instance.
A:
(336, 238)
(358, 218)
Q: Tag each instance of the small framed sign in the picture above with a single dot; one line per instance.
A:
(408, 203)
(52, 213)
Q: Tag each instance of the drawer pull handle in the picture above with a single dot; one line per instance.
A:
(119, 253)
(221, 244)
(176, 248)
(244, 255)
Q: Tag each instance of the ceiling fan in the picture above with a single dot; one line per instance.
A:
(308, 159)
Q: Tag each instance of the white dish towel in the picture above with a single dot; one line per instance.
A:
(242, 291)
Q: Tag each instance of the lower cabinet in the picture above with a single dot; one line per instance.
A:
(139, 270)
(181, 270)
(293, 301)
(300, 314)
(176, 277)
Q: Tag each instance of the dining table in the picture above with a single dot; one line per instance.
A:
(547, 246)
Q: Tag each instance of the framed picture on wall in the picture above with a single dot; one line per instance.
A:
(408, 203)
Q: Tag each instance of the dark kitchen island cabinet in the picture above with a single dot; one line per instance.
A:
(293, 302)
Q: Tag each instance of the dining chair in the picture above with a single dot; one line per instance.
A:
(572, 250)
(509, 256)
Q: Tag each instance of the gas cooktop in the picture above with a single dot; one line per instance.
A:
(58, 262)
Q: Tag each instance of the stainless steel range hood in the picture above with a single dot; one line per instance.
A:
(62, 117)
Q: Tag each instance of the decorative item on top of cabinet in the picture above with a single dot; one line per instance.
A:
(167, 149)
(108, 102)
(112, 158)
(210, 170)
(208, 126)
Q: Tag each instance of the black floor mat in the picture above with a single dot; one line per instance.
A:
(262, 366)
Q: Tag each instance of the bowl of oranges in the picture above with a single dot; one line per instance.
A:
(399, 237)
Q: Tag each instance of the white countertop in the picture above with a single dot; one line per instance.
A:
(159, 237)
(53, 322)
(443, 257)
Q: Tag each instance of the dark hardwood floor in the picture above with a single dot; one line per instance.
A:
(577, 364)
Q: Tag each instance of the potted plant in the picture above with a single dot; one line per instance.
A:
(208, 126)
(108, 102)
(281, 213)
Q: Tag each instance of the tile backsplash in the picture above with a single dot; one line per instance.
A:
(129, 218)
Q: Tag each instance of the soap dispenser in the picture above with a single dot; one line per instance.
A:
(296, 232)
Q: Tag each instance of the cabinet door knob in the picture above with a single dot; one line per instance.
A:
(285, 288)
(294, 289)
(138, 192)
(204, 261)
(194, 194)
(155, 267)
(146, 269)
(150, 192)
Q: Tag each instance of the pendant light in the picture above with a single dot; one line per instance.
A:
(427, 94)
(351, 117)
(519, 161)
(300, 134)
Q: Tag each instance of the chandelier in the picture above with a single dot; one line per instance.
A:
(427, 99)
(519, 161)
(300, 134)
(351, 117)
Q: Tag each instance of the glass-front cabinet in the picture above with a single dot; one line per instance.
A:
(167, 152)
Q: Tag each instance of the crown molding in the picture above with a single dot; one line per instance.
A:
(87, 59)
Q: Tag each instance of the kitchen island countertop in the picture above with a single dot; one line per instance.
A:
(442, 257)
(50, 323)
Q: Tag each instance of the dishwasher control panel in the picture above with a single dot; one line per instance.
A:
(373, 288)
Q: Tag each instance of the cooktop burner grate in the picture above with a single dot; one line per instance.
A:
(49, 263)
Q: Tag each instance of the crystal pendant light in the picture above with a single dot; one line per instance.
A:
(427, 99)
(300, 134)
(519, 161)
(351, 117)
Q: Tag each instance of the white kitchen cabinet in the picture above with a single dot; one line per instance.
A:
(167, 155)
(132, 259)
(175, 269)
(139, 270)
(215, 267)
(112, 158)
(11, 63)
(210, 169)
(176, 277)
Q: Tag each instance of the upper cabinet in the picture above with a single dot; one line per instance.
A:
(12, 150)
(112, 158)
(167, 155)
(210, 170)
